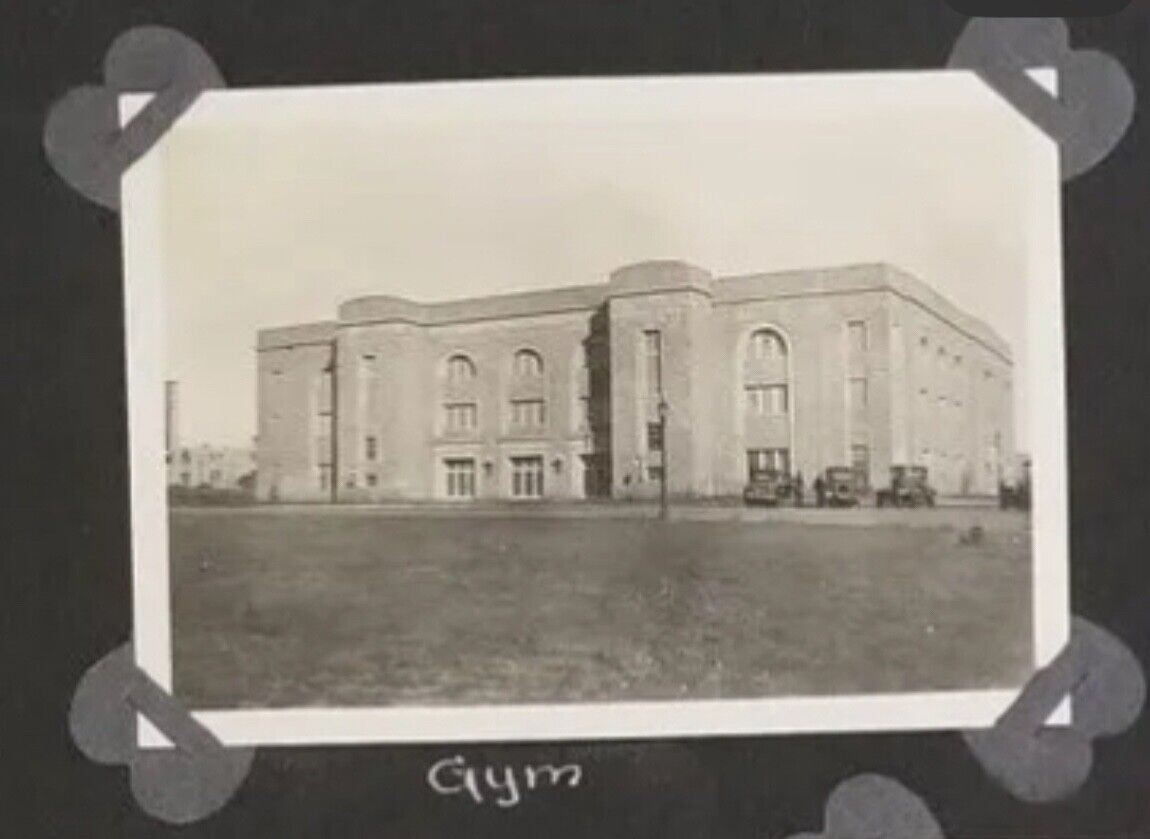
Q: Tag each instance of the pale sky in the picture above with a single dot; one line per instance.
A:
(280, 204)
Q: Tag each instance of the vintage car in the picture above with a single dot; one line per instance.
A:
(1014, 487)
(768, 489)
(909, 487)
(843, 487)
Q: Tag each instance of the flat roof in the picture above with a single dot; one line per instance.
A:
(654, 277)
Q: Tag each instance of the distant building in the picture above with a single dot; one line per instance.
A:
(556, 394)
(217, 467)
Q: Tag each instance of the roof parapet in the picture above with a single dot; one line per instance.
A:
(640, 278)
(382, 308)
(659, 277)
(282, 337)
(874, 276)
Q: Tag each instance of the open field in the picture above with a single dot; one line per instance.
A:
(280, 608)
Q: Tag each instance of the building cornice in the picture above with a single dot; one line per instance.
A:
(657, 277)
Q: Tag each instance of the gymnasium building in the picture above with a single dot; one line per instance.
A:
(603, 390)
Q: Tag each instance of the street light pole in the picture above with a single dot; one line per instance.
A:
(663, 409)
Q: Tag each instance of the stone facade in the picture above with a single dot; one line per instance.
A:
(558, 394)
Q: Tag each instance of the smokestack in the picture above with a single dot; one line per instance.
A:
(171, 417)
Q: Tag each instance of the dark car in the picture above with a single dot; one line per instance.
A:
(1014, 490)
(909, 487)
(767, 489)
(843, 487)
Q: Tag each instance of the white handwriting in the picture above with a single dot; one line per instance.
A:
(501, 784)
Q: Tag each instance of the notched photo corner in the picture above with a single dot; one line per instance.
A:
(597, 408)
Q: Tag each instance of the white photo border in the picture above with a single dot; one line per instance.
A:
(142, 186)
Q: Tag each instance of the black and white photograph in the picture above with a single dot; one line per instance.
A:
(609, 407)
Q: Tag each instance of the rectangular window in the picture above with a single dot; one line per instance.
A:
(857, 336)
(584, 419)
(654, 437)
(653, 361)
(527, 477)
(461, 417)
(761, 461)
(325, 477)
(528, 414)
(767, 400)
(655, 473)
(860, 395)
(860, 463)
(323, 394)
(371, 448)
(460, 475)
(371, 478)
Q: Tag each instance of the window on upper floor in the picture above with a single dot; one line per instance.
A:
(857, 338)
(583, 418)
(528, 364)
(323, 394)
(766, 387)
(767, 400)
(528, 414)
(654, 436)
(653, 361)
(767, 343)
(460, 368)
(461, 417)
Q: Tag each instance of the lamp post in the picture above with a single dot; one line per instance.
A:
(664, 408)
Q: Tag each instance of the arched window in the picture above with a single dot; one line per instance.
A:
(528, 363)
(460, 368)
(766, 343)
(766, 398)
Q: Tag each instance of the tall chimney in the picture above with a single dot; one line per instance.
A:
(171, 417)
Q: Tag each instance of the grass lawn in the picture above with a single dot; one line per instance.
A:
(275, 609)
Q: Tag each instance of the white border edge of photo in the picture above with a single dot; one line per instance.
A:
(946, 710)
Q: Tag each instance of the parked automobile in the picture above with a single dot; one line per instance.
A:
(1014, 488)
(843, 486)
(909, 487)
(768, 489)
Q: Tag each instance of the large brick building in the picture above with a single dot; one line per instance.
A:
(556, 394)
